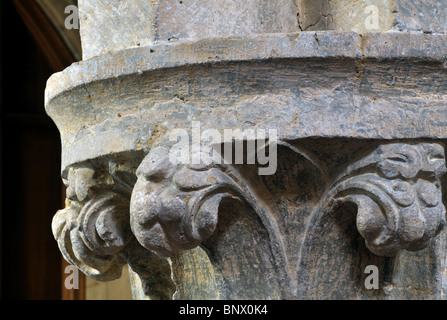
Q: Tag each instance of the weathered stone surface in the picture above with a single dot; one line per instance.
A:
(144, 22)
(368, 91)
(421, 16)
(397, 208)
(373, 16)
(113, 25)
(358, 16)
(359, 150)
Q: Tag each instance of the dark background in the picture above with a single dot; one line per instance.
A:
(31, 188)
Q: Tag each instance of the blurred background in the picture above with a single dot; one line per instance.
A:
(34, 45)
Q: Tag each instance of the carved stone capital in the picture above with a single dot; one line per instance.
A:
(359, 178)
(171, 208)
(93, 230)
(397, 191)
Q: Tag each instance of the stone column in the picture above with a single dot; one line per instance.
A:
(257, 149)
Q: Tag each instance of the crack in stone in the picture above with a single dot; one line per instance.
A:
(300, 24)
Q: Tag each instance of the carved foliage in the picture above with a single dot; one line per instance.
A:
(175, 207)
(93, 229)
(398, 194)
(396, 189)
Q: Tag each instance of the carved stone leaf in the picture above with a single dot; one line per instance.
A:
(175, 207)
(104, 224)
(75, 251)
(399, 206)
(93, 230)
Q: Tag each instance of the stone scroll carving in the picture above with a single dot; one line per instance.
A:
(397, 191)
(93, 230)
(396, 188)
(175, 207)
(118, 215)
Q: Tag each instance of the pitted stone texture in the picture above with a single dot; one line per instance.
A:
(378, 87)
(400, 202)
(344, 15)
(112, 25)
(373, 15)
(428, 16)
(196, 19)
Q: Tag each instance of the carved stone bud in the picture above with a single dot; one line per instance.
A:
(398, 195)
(175, 207)
(93, 229)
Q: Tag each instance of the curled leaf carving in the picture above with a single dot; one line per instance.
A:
(398, 195)
(175, 207)
(93, 229)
